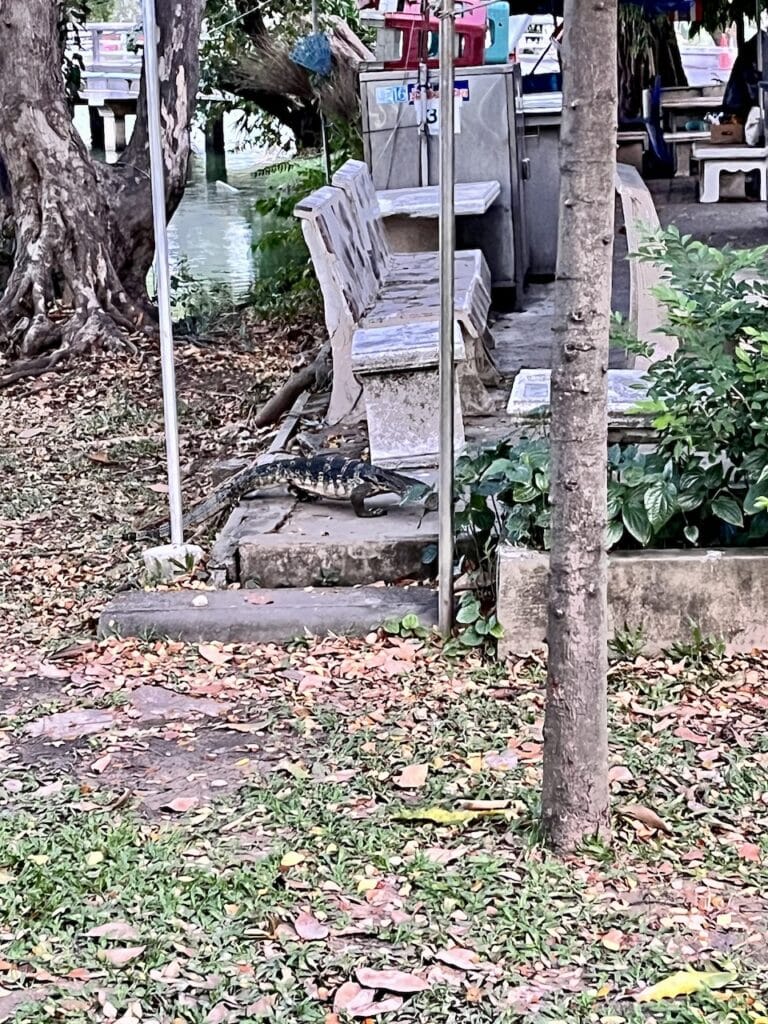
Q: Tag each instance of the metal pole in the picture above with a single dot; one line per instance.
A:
(447, 250)
(323, 123)
(162, 273)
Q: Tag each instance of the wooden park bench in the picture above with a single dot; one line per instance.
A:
(382, 311)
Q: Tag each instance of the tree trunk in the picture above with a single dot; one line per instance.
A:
(575, 802)
(83, 230)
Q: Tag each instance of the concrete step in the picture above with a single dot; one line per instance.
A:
(264, 616)
(276, 542)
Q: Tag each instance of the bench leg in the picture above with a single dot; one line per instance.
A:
(764, 182)
(683, 159)
(710, 183)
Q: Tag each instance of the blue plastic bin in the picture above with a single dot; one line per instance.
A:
(497, 50)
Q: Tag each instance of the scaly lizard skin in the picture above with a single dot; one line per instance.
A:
(321, 476)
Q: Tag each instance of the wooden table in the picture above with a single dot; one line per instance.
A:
(411, 215)
(471, 198)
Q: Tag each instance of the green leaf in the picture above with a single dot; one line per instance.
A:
(614, 533)
(727, 508)
(692, 534)
(636, 521)
(468, 613)
(499, 467)
(659, 502)
(470, 638)
(411, 621)
(755, 493)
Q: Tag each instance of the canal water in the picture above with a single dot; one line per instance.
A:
(212, 235)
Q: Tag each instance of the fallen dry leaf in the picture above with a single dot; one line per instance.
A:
(292, 859)
(349, 995)
(504, 761)
(119, 957)
(749, 851)
(181, 804)
(391, 980)
(412, 777)
(213, 654)
(684, 983)
(645, 815)
(101, 764)
(254, 598)
(309, 928)
(456, 956)
(113, 930)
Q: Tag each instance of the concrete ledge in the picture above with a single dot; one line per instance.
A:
(263, 616)
(723, 592)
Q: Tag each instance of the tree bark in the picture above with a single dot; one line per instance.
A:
(575, 800)
(83, 230)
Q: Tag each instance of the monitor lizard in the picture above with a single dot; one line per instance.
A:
(320, 476)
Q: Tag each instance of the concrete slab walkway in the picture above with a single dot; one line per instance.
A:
(264, 616)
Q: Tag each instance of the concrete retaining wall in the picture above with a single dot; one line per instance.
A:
(723, 592)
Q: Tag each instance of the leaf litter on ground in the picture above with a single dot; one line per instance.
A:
(331, 867)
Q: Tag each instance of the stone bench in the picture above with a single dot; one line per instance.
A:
(411, 215)
(531, 389)
(529, 400)
(646, 313)
(367, 287)
(400, 371)
(715, 160)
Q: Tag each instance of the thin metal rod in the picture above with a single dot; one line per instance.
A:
(447, 250)
(162, 272)
(323, 122)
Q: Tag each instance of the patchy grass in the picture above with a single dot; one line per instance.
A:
(284, 867)
(205, 834)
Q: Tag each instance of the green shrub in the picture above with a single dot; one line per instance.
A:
(706, 480)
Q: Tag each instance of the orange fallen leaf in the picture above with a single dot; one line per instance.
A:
(456, 956)
(613, 939)
(749, 851)
(391, 980)
(181, 804)
(646, 816)
(214, 654)
(413, 776)
(121, 956)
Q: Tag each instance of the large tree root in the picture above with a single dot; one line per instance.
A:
(29, 368)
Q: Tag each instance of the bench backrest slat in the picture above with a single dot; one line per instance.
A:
(646, 313)
(355, 180)
(329, 216)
